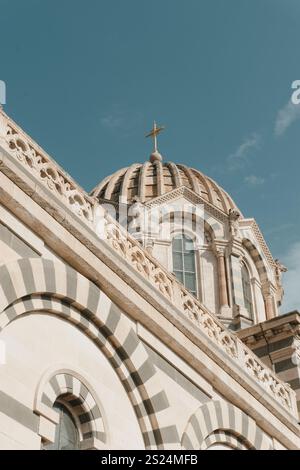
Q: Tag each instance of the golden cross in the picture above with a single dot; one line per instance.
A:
(154, 133)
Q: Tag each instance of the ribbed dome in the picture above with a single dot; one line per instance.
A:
(151, 179)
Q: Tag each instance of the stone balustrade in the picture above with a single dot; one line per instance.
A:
(38, 163)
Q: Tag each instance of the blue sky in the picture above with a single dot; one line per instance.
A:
(87, 78)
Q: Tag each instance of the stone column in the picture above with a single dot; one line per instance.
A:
(223, 284)
(269, 301)
(255, 285)
(269, 306)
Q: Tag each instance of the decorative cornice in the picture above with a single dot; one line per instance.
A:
(251, 223)
(191, 196)
(275, 329)
(48, 174)
(15, 141)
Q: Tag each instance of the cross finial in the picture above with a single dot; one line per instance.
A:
(154, 133)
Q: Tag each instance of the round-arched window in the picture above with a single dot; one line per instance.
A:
(184, 266)
(66, 432)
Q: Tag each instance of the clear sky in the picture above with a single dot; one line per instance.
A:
(86, 79)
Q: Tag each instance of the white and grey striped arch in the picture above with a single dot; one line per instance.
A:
(29, 285)
(219, 416)
(257, 259)
(67, 387)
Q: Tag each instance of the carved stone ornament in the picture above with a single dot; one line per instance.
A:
(48, 173)
(234, 217)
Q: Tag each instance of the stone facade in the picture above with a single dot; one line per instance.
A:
(277, 343)
(94, 318)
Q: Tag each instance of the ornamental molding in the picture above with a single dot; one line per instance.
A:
(35, 161)
(192, 197)
(251, 223)
(287, 326)
(198, 314)
(170, 196)
(27, 152)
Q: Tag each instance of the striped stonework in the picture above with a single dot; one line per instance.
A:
(216, 227)
(225, 438)
(288, 369)
(137, 181)
(276, 342)
(219, 417)
(29, 285)
(258, 260)
(72, 392)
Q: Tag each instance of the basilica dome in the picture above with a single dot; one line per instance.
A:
(146, 181)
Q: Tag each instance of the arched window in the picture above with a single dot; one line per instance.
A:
(247, 290)
(184, 266)
(66, 432)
